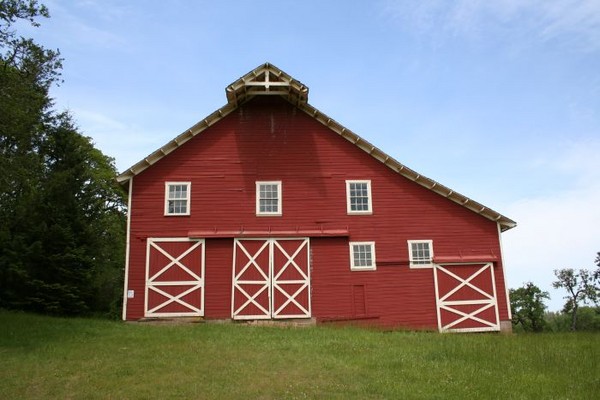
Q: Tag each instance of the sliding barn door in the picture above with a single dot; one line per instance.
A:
(271, 279)
(466, 298)
(174, 277)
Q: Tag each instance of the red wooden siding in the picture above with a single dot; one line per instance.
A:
(267, 139)
(219, 259)
(394, 295)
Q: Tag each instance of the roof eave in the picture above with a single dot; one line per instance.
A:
(401, 169)
(246, 88)
(175, 143)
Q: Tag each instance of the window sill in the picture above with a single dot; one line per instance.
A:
(373, 268)
(421, 266)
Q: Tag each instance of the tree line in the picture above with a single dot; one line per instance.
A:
(62, 215)
(580, 312)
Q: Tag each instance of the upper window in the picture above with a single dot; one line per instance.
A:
(358, 194)
(268, 198)
(420, 253)
(177, 198)
(362, 256)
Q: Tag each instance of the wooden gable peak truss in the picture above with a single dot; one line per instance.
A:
(269, 80)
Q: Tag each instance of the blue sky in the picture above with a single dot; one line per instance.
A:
(499, 100)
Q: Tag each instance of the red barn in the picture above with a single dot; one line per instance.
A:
(269, 209)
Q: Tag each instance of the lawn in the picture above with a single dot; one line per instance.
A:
(59, 358)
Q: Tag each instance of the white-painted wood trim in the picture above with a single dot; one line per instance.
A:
(175, 299)
(472, 330)
(279, 284)
(188, 199)
(127, 251)
(279, 199)
(237, 283)
(437, 299)
(179, 283)
(353, 266)
(469, 316)
(174, 261)
(146, 290)
(349, 210)
(493, 272)
(485, 302)
(196, 284)
(271, 282)
(504, 271)
(465, 282)
(309, 269)
(410, 254)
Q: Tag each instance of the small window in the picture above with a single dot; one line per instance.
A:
(268, 198)
(177, 198)
(362, 256)
(420, 253)
(358, 197)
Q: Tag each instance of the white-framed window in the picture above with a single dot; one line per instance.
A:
(358, 197)
(268, 198)
(420, 253)
(177, 198)
(362, 256)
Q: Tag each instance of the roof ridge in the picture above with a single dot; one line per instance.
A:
(247, 87)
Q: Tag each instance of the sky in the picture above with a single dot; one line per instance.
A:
(498, 100)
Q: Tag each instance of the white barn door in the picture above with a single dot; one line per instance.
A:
(271, 279)
(174, 277)
(251, 291)
(466, 297)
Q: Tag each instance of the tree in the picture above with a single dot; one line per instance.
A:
(61, 211)
(596, 283)
(581, 286)
(527, 306)
(26, 74)
(81, 236)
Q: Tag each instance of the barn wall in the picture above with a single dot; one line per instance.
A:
(217, 297)
(392, 295)
(268, 139)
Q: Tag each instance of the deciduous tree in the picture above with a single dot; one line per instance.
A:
(581, 286)
(527, 306)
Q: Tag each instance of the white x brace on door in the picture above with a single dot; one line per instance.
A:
(174, 277)
(466, 297)
(271, 278)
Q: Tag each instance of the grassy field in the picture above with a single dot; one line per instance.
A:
(56, 358)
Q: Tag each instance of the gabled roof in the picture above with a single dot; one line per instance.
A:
(269, 80)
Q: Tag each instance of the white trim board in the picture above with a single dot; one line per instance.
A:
(196, 283)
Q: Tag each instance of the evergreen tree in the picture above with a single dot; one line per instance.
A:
(26, 73)
(61, 211)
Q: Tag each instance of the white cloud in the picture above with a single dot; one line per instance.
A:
(110, 11)
(125, 142)
(579, 19)
(574, 23)
(75, 26)
(557, 231)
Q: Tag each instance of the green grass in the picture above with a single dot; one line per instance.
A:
(44, 357)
